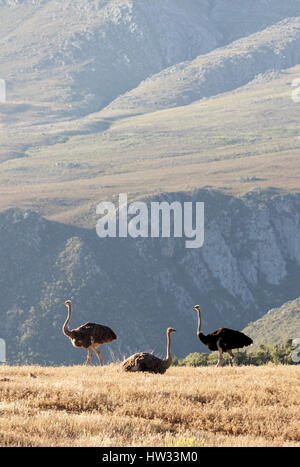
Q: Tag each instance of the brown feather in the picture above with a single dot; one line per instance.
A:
(92, 333)
(144, 361)
(89, 335)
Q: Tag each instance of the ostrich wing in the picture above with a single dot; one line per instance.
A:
(92, 333)
(144, 361)
(231, 339)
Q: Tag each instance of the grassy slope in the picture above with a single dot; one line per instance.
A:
(241, 406)
(277, 325)
(219, 142)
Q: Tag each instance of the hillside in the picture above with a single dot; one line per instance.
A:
(277, 325)
(249, 263)
(145, 97)
(173, 100)
(222, 70)
(234, 141)
(83, 54)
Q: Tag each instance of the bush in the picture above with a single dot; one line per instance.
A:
(263, 355)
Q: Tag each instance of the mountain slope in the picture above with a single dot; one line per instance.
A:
(249, 263)
(277, 325)
(73, 68)
(222, 70)
(85, 53)
(71, 57)
(235, 141)
(107, 96)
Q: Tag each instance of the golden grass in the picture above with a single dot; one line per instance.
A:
(79, 406)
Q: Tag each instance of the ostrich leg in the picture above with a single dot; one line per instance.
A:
(98, 355)
(220, 361)
(89, 358)
(232, 357)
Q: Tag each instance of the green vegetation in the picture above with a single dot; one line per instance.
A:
(270, 353)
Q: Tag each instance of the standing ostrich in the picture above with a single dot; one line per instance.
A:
(89, 335)
(144, 361)
(223, 339)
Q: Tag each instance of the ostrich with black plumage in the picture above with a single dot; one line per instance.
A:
(223, 339)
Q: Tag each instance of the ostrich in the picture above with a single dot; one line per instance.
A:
(223, 339)
(89, 335)
(144, 361)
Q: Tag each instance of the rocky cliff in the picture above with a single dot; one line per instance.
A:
(249, 263)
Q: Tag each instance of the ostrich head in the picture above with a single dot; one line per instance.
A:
(170, 330)
(196, 307)
(67, 303)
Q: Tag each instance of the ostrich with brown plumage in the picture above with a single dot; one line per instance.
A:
(144, 361)
(89, 336)
(223, 339)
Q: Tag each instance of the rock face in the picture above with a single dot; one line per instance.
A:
(76, 56)
(222, 70)
(250, 262)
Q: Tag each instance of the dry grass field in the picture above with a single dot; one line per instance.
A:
(80, 406)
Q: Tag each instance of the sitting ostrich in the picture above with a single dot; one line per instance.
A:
(89, 335)
(144, 361)
(223, 339)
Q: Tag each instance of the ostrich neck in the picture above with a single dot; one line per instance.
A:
(199, 323)
(66, 330)
(168, 358)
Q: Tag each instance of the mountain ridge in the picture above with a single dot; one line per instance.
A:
(248, 264)
(73, 49)
(222, 70)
